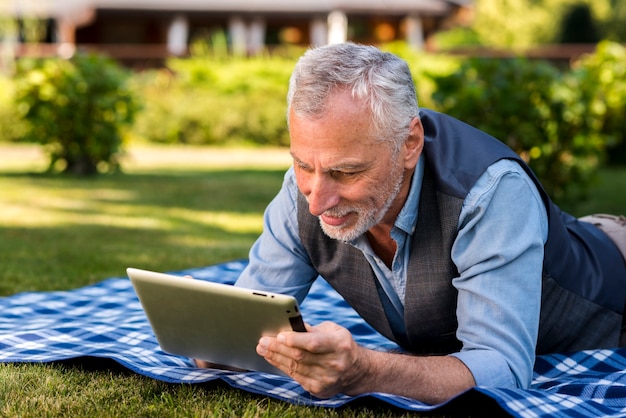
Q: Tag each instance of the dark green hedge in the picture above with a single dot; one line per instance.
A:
(216, 102)
(561, 122)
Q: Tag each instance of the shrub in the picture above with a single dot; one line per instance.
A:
(601, 78)
(540, 113)
(77, 109)
(11, 125)
(216, 101)
(220, 100)
(424, 68)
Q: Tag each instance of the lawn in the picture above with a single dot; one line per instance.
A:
(171, 209)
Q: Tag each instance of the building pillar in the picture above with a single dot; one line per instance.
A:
(238, 36)
(318, 32)
(177, 35)
(256, 36)
(66, 31)
(337, 27)
(66, 25)
(8, 47)
(414, 31)
(66, 37)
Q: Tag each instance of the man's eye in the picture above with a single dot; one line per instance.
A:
(343, 174)
(304, 168)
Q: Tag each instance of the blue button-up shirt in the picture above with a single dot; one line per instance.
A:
(498, 252)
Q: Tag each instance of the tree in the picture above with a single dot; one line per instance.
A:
(615, 26)
(512, 23)
(578, 26)
(520, 24)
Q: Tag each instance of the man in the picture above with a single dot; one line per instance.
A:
(437, 234)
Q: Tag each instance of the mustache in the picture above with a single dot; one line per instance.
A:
(337, 212)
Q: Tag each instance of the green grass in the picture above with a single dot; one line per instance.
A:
(173, 208)
(608, 195)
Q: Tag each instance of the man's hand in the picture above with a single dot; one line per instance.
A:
(325, 360)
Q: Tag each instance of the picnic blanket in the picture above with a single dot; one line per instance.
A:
(105, 320)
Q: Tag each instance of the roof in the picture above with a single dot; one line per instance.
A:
(56, 8)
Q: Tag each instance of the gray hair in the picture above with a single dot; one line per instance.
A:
(379, 78)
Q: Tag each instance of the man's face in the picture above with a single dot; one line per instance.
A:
(350, 179)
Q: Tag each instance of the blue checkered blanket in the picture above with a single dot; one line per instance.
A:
(105, 320)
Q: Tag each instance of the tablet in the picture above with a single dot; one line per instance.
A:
(215, 322)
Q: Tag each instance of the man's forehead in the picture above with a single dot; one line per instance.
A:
(340, 99)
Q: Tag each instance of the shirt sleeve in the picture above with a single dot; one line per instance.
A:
(499, 255)
(277, 260)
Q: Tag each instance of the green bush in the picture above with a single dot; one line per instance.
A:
(220, 100)
(77, 108)
(11, 125)
(539, 112)
(424, 68)
(601, 78)
(216, 101)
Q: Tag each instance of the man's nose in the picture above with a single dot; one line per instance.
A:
(321, 193)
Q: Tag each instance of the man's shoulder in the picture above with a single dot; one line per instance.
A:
(506, 166)
(290, 186)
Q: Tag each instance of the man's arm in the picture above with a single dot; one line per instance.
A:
(327, 361)
(499, 255)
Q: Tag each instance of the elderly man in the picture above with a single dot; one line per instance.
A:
(437, 234)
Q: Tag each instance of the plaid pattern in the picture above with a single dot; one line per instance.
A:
(105, 320)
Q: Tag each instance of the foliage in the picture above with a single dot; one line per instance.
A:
(423, 67)
(524, 23)
(539, 113)
(578, 26)
(213, 101)
(601, 79)
(11, 125)
(615, 25)
(77, 108)
(459, 36)
(512, 23)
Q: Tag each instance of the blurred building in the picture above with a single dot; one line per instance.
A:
(145, 29)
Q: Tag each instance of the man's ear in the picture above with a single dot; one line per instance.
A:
(414, 143)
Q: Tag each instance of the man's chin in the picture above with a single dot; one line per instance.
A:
(339, 233)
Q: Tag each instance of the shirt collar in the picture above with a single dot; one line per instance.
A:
(407, 218)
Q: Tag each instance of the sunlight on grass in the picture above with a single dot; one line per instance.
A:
(228, 221)
(141, 159)
(46, 209)
(59, 232)
(22, 158)
(159, 158)
(37, 202)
